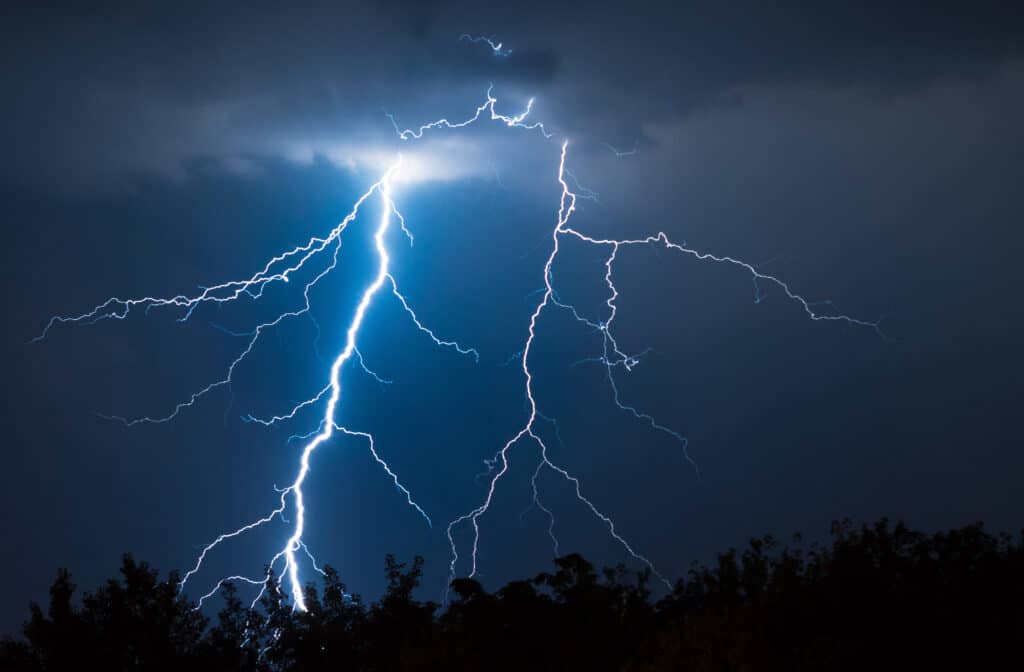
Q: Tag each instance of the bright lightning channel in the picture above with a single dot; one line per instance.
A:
(279, 269)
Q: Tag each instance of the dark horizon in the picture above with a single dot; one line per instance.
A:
(870, 157)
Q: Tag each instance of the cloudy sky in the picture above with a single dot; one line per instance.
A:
(870, 156)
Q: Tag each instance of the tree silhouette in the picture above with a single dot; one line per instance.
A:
(880, 596)
(135, 622)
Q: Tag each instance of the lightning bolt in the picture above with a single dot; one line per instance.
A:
(567, 205)
(619, 153)
(333, 391)
(281, 268)
(491, 42)
(488, 105)
(612, 356)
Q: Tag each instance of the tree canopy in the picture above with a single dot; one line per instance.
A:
(876, 596)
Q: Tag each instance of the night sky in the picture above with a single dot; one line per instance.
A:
(871, 156)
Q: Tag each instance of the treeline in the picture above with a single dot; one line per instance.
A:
(875, 597)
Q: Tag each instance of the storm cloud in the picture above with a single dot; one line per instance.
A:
(100, 95)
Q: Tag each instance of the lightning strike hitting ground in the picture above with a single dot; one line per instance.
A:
(567, 206)
(280, 268)
(611, 357)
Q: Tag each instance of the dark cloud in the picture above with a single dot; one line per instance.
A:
(145, 90)
(140, 88)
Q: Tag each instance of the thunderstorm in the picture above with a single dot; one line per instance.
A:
(291, 508)
(411, 334)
